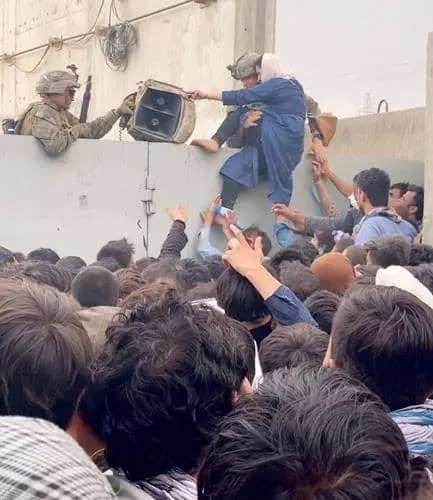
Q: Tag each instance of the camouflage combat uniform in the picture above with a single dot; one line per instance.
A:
(55, 127)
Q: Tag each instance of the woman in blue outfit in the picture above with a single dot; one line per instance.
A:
(281, 144)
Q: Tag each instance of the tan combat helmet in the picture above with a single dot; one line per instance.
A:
(244, 66)
(56, 82)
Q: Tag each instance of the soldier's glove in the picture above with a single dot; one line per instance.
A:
(127, 107)
(80, 130)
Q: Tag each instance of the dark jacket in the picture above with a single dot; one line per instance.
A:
(345, 222)
(175, 242)
(287, 309)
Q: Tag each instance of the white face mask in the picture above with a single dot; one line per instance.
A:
(353, 201)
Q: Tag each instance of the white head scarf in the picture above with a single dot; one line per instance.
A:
(272, 68)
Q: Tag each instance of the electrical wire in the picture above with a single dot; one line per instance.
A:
(115, 46)
(36, 66)
(119, 40)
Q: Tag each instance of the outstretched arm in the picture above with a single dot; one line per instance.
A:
(345, 188)
(259, 93)
(282, 303)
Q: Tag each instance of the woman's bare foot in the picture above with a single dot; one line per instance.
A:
(209, 145)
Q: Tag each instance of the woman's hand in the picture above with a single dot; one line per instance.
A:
(197, 95)
(319, 150)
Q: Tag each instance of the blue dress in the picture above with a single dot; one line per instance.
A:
(284, 114)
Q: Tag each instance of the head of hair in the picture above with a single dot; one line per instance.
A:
(368, 270)
(203, 291)
(253, 232)
(154, 293)
(388, 251)
(95, 286)
(197, 272)
(356, 254)
(44, 353)
(72, 264)
(375, 184)
(130, 280)
(19, 257)
(141, 264)
(290, 346)
(299, 278)
(418, 200)
(6, 256)
(308, 433)
(301, 250)
(167, 271)
(239, 299)
(325, 240)
(162, 385)
(424, 274)
(343, 243)
(421, 254)
(384, 336)
(45, 273)
(401, 186)
(108, 263)
(120, 250)
(323, 305)
(334, 271)
(215, 266)
(44, 255)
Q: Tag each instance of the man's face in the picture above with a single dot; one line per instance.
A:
(250, 81)
(64, 100)
(404, 206)
(359, 197)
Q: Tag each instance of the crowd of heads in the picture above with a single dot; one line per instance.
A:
(182, 377)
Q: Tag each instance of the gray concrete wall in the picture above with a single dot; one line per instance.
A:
(96, 192)
(428, 204)
(387, 135)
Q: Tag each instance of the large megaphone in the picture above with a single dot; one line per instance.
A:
(163, 113)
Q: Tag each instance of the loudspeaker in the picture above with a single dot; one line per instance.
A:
(163, 113)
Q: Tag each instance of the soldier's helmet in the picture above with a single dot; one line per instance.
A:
(56, 82)
(244, 66)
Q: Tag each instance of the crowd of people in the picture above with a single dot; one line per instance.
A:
(301, 373)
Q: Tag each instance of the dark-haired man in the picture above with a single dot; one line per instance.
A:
(164, 380)
(384, 337)
(371, 190)
(96, 286)
(309, 435)
(120, 250)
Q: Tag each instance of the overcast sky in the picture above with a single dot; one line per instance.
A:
(343, 49)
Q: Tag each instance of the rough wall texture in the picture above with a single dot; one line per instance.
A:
(388, 135)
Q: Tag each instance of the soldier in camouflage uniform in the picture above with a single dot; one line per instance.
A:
(50, 121)
(244, 70)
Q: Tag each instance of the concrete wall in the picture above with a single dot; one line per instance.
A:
(428, 206)
(187, 46)
(96, 192)
(397, 135)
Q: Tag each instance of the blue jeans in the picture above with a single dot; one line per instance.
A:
(283, 234)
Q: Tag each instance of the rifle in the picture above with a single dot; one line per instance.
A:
(86, 100)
